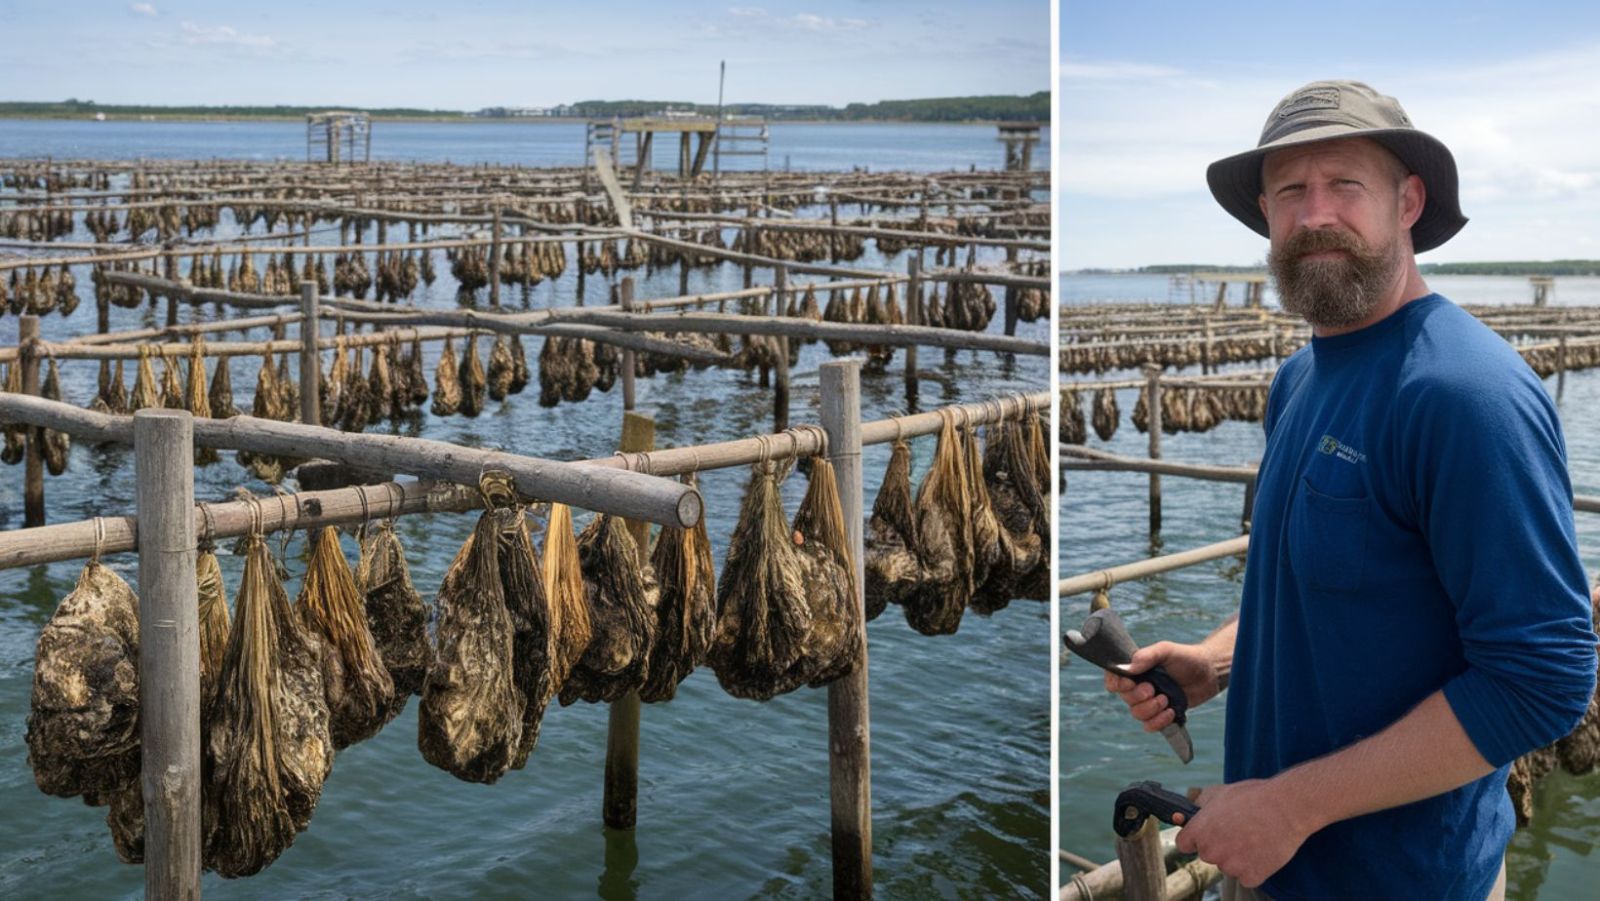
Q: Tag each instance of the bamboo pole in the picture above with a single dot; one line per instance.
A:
(620, 802)
(33, 465)
(1098, 460)
(733, 324)
(849, 722)
(169, 658)
(1107, 578)
(310, 357)
(632, 495)
(340, 506)
(303, 511)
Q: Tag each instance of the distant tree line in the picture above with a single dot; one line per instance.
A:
(1534, 267)
(75, 109)
(1033, 107)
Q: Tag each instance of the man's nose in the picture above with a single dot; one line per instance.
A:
(1319, 208)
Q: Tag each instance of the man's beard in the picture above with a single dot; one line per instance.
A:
(1332, 293)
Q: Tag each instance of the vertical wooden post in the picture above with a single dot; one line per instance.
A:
(1249, 507)
(1206, 364)
(494, 259)
(620, 803)
(1152, 374)
(913, 317)
(849, 723)
(625, 300)
(169, 654)
(310, 356)
(102, 313)
(1144, 871)
(33, 467)
(1013, 309)
(833, 235)
(683, 273)
(780, 388)
(1561, 368)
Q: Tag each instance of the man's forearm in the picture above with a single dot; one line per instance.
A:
(1424, 753)
(1219, 647)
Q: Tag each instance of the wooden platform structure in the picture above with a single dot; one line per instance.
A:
(1019, 139)
(700, 132)
(338, 136)
(1254, 284)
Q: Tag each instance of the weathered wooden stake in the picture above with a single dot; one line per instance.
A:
(913, 317)
(1144, 871)
(1249, 507)
(1013, 308)
(310, 358)
(33, 467)
(780, 388)
(1152, 374)
(625, 300)
(169, 654)
(1561, 368)
(494, 260)
(849, 723)
(620, 804)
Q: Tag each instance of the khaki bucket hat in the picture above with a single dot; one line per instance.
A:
(1329, 110)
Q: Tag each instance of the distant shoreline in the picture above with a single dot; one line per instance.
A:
(507, 120)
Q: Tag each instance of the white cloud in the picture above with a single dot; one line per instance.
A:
(1522, 131)
(223, 35)
(143, 9)
(746, 12)
(814, 22)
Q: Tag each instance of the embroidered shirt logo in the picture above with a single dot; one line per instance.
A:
(1335, 447)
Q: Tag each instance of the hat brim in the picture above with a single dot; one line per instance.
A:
(1235, 181)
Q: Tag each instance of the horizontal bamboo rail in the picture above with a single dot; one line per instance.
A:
(628, 494)
(230, 519)
(1091, 459)
(732, 324)
(341, 506)
(1105, 579)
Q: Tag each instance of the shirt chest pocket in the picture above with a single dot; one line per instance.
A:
(1327, 539)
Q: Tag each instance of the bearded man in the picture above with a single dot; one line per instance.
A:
(1414, 614)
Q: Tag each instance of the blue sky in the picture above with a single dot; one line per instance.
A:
(466, 54)
(1152, 92)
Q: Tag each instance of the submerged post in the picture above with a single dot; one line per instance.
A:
(1152, 374)
(33, 465)
(620, 803)
(913, 317)
(780, 387)
(1561, 368)
(310, 357)
(494, 259)
(169, 654)
(849, 725)
(625, 300)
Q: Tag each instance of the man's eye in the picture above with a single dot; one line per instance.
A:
(1291, 190)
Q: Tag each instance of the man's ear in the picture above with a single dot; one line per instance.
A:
(1261, 201)
(1413, 197)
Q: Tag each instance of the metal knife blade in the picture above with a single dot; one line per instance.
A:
(1178, 737)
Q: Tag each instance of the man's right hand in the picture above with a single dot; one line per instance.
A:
(1190, 664)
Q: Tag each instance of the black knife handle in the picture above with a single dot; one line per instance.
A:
(1104, 641)
(1148, 799)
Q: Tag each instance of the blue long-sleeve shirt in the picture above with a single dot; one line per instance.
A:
(1412, 531)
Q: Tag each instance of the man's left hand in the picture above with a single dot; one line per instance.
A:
(1248, 829)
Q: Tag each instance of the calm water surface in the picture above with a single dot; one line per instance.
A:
(1105, 521)
(733, 794)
